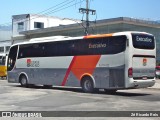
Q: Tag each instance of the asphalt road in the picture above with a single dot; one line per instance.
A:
(13, 97)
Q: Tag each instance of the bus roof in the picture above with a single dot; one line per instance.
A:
(113, 34)
(62, 38)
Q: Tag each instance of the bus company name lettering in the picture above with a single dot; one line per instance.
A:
(31, 63)
(143, 39)
(100, 45)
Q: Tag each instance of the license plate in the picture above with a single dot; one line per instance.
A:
(144, 78)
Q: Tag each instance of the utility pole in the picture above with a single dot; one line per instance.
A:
(87, 11)
(87, 17)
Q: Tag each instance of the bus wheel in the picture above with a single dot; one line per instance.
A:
(87, 85)
(23, 81)
(110, 91)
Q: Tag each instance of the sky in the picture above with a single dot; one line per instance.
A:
(105, 9)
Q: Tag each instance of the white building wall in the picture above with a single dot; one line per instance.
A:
(48, 22)
(29, 20)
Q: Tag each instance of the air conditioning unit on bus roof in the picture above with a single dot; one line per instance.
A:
(52, 38)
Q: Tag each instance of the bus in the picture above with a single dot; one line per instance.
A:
(122, 60)
(4, 49)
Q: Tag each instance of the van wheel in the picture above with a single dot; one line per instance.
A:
(23, 81)
(87, 85)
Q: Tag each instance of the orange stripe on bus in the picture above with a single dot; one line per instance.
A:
(84, 64)
(97, 36)
(81, 65)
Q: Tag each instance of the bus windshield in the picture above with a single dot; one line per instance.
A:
(143, 41)
(12, 58)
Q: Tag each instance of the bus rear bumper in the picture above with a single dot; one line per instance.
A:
(142, 83)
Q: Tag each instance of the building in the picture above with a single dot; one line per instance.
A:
(101, 26)
(5, 39)
(27, 22)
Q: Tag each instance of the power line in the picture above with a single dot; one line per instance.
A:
(61, 7)
(53, 9)
(39, 12)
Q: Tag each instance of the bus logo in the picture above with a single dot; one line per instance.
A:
(144, 61)
(28, 62)
(31, 63)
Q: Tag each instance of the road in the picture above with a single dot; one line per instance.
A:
(13, 97)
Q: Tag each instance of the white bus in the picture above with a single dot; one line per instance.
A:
(123, 60)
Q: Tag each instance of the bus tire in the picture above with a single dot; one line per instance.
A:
(23, 81)
(87, 85)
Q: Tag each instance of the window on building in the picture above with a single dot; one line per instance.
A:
(21, 26)
(38, 25)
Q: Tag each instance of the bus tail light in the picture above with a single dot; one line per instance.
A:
(130, 72)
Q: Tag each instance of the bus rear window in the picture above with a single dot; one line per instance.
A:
(143, 41)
